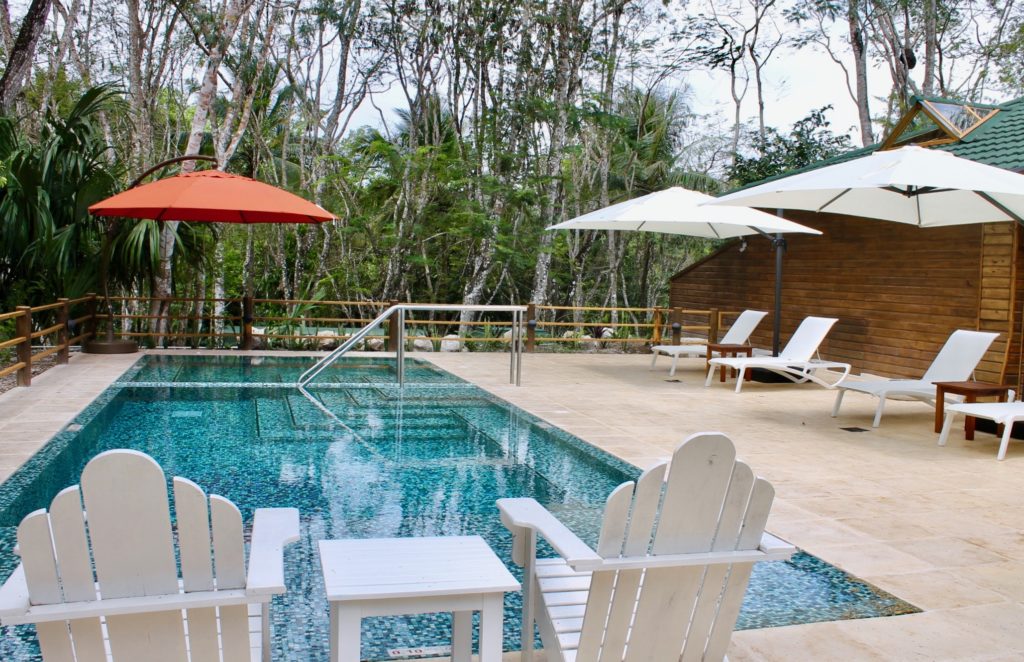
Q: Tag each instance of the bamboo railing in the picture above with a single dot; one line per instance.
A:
(29, 324)
(250, 323)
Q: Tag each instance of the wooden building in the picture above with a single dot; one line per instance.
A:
(898, 290)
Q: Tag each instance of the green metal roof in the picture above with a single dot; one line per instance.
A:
(999, 141)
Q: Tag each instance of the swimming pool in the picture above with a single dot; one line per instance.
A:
(429, 459)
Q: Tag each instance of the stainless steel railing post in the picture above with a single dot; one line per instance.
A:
(519, 346)
(400, 354)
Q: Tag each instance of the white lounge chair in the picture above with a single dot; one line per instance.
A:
(954, 363)
(107, 587)
(665, 583)
(795, 362)
(1003, 413)
(738, 334)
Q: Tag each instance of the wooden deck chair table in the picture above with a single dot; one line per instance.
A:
(796, 362)
(955, 362)
(106, 586)
(669, 573)
(738, 334)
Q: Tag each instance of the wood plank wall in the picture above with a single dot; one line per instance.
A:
(898, 290)
(996, 309)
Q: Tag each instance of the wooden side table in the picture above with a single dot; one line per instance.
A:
(391, 576)
(727, 350)
(971, 391)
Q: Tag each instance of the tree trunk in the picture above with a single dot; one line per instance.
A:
(858, 43)
(19, 60)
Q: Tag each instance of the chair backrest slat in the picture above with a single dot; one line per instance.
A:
(192, 513)
(807, 338)
(228, 543)
(740, 331)
(67, 524)
(959, 356)
(125, 496)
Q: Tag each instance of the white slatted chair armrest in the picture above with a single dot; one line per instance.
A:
(526, 513)
(144, 604)
(14, 598)
(695, 559)
(272, 530)
(775, 548)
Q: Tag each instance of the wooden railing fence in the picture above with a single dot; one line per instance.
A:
(252, 323)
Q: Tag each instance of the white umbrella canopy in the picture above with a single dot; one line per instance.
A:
(681, 211)
(914, 185)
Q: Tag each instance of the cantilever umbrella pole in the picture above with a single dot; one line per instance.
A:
(779, 244)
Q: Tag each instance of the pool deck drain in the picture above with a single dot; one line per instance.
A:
(939, 527)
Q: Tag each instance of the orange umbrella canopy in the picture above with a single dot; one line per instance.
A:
(211, 196)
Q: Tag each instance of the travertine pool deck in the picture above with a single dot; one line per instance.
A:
(939, 527)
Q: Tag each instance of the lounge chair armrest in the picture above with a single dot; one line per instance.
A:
(272, 530)
(14, 600)
(525, 513)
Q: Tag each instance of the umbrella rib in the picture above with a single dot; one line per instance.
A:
(827, 204)
(1000, 206)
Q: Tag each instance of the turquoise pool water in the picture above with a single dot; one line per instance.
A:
(429, 459)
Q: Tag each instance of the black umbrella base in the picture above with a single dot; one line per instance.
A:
(110, 347)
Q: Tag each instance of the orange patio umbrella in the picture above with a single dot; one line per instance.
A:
(211, 196)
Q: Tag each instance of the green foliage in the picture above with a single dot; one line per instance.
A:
(51, 243)
(810, 141)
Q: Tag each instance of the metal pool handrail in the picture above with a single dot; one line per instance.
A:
(399, 310)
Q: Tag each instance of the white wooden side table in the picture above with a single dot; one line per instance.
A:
(391, 576)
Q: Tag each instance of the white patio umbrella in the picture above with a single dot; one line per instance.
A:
(923, 187)
(681, 211)
(678, 210)
(914, 185)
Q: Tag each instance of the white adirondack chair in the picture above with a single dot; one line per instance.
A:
(669, 574)
(738, 334)
(955, 362)
(129, 603)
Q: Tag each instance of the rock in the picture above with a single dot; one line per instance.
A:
(258, 341)
(326, 339)
(570, 334)
(451, 343)
(588, 343)
(507, 335)
(607, 332)
(375, 344)
(422, 344)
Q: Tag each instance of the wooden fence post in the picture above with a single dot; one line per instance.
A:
(393, 328)
(247, 305)
(656, 335)
(676, 318)
(23, 328)
(62, 333)
(713, 326)
(531, 326)
(90, 324)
